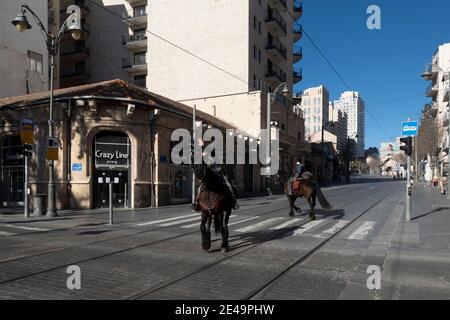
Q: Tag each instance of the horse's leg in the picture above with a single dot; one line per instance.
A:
(208, 232)
(225, 234)
(312, 205)
(292, 205)
(203, 231)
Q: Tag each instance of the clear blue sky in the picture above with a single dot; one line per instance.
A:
(383, 65)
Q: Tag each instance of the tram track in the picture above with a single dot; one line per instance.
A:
(270, 235)
(127, 227)
(151, 243)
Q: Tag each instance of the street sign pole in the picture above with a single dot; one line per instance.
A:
(111, 220)
(25, 202)
(408, 191)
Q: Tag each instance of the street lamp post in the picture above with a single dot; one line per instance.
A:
(270, 100)
(72, 25)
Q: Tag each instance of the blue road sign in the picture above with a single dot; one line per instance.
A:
(410, 128)
(77, 167)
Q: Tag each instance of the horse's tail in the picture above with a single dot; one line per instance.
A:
(322, 200)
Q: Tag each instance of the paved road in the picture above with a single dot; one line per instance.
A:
(156, 253)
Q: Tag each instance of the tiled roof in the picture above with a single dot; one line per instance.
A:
(114, 89)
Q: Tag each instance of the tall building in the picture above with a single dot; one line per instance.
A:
(315, 106)
(338, 126)
(353, 105)
(438, 72)
(23, 55)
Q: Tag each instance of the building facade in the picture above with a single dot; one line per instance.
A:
(23, 55)
(353, 105)
(436, 113)
(109, 132)
(315, 106)
(338, 120)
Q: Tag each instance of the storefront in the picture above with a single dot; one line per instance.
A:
(12, 172)
(108, 132)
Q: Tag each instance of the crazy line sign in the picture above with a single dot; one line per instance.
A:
(410, 128)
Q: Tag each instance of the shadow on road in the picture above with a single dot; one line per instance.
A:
(431, 212)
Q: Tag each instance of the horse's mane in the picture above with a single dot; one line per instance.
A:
(209, 179)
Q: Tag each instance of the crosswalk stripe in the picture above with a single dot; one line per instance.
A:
(196, 224)
(242, 221)
(307, 227)
(363, 231)
(259, 225)
(166, 220)
(170, 224)
(25, 228)
(287, 224)
(4, 233)
(339, 225)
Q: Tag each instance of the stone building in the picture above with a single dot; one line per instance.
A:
(107, 131)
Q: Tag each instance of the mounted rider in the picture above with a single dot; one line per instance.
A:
(299, 171)
(222, 178)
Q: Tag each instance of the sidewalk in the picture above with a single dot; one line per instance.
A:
(418, 262)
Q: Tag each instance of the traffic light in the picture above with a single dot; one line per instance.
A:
(27, 150)
(408, 145)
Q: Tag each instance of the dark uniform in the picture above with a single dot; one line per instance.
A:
(222, 178)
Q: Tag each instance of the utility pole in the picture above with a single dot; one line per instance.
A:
(193, 148)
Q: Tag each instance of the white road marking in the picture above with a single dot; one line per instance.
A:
(170, 224)
(26, 228)
(259, 225)
(310, 225)
(362, 232)
(196, 224)
(242, 221)
(166, 220)
(332, 230)
(4, 233)
(287, 224)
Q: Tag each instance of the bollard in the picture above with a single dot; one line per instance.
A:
(111, 221)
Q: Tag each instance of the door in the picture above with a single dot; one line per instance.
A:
(120, 189)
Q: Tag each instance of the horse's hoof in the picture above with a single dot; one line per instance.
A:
(291, 214)
(206, 248)
(224, 250)
(313, 217)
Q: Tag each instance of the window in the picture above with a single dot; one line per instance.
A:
(139, 58)
(139, 11)
(259, 27)
(35, 62)
(259, 56)
(254, 22)
(254, 52)
(141, 81)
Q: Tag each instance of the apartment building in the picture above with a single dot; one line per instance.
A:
(353, 105)
(315, 106)
(438, 72)
(23, 55)
(338, 126)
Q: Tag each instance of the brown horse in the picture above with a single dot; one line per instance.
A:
(306, 188)
(215, 205)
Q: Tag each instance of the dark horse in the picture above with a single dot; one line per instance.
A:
(215, 206)
(305, 188)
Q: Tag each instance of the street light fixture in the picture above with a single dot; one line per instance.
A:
(72, 25)
(270, 100)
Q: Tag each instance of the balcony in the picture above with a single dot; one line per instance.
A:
(275, 23)
(275, 76)
(298, 55)
(297, 32)
(276, 50)
(136, 2)
(298, 9)
(431, 72)
(135, 41)
(298, 76)
(447, 91)
(71, 55)
(136, 64)
(432, 90)
(280, 5)
(137, 21)
(431, 110)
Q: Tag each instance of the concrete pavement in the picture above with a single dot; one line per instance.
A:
(156, 253)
